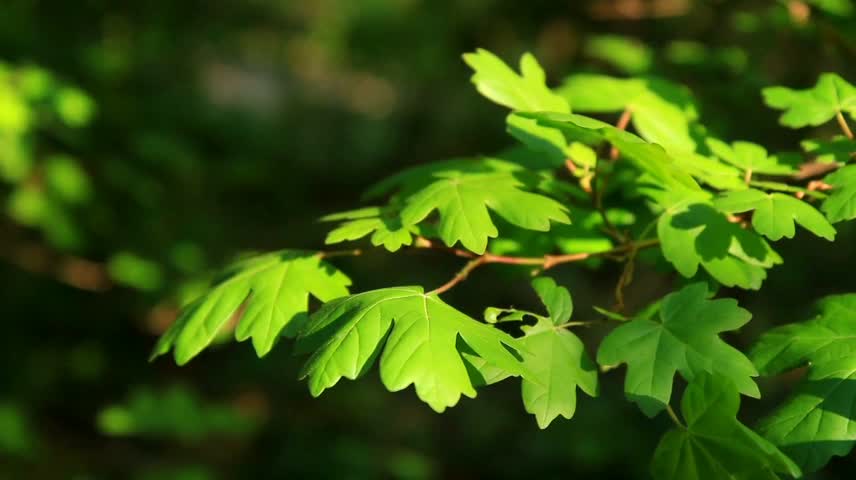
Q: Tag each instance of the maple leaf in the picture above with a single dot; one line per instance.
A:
(661, 110)
(775, 213)
(693, 233)
(813, 106)
(385, 228)
(750, 157)
(273, 290)
(555, 356)
(714, 445)
(841, 203)
(681, 336)
(416, 336)
(462, 199)
(819, 421)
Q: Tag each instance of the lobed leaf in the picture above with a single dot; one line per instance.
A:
(683, 338)
(813, 106)
(714, 445)
(819, 420)
(416, 336)
(775, 213)
(266, 295)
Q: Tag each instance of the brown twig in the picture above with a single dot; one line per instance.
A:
(842, 122)
(546, 262)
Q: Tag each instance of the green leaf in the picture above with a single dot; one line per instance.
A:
(557, 299)
(682, 338)
(548, 141)
(415, 335)
(841, 203)
(559, 365)
(819, 421)
(268, 295)
(526, 91)
(814, 106)
(661, 111)
(624, 53)
(840, 149)
(463, 199)
(749, 157)
(711, 171)
(714, 445)
(555, 357)
(385, 229)
(648, 157)
(775, 213)
(693, 233)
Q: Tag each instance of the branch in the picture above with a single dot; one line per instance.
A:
(842, 122)
(546, 262)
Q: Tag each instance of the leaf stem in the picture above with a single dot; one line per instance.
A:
(621, 124)
(674, 417)
(842, 122)
(340, 253)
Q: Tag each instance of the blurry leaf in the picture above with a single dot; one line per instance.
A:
(624, 53)
(417, 334)
(683, 338)
(28, 205)
(16, 435)
(749, 157)
(74, 107)
(66, 180)
(174, 412)
(813, 106)
(134, 271)
(840, 149)
(264, 295)
(15, 115)
(715, 445)
(711, 171)
(819, 421)
(775, 213)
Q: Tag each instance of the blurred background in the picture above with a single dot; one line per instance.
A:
(144, 144)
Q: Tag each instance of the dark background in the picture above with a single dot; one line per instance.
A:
(195, 130)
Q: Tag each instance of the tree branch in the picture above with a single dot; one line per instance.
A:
(546, 262)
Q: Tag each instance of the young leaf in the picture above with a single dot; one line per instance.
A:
(714, 445)
(775, 213)
(814, 106)
(555, 356)
(711, 171)
(749, 157)
(661, 111)
(385, 229)
(526, 91)
(648, 157)
(417, 335)
(693, 233)
(462, 200)
(819, 421)
(273, 290)
(841, 203)
(682, 338)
